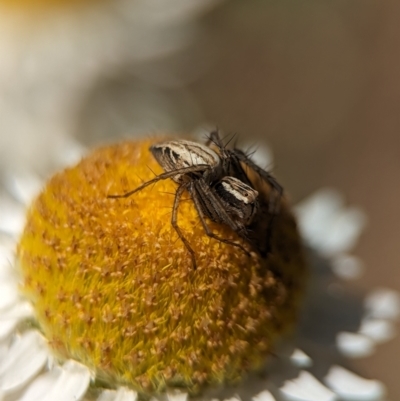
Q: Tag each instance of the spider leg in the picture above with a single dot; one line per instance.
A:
(196, 191)
(174, 222)
(163, 176)
(215, 139)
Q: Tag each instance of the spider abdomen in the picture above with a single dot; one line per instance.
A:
(240, 200)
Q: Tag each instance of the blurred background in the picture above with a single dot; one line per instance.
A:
(318, 81)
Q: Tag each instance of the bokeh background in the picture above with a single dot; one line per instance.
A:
(318, 81)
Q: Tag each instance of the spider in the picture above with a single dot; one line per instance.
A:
(237, 164)
(202, 172)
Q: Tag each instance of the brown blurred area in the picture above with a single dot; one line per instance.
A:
(320, 82)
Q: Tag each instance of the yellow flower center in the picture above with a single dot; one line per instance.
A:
(113, 286)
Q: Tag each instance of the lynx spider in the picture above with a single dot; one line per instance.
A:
(216, 195)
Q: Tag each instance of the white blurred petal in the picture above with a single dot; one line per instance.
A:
(19, 310)
(351, 387)
(122, 394)
(41, 386)
(12, 217)
(379, 330)
(326, 225)
(50, 62)
(7, 327)
(11, 316)
(68, 152)
(264, 396)
(24, 360)
(344, 231)
(354, 345)
(4, 346)
(347, 267)
(24, 185)
(7, 270)
(383, 303)
(177, 396)
(306, 388)
(300, 359)
(71, 384)
(9, 295)
(315, 212)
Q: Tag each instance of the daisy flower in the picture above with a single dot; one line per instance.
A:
(311, 365)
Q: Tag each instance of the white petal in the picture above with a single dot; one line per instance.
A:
(122, 394)
(11, 315)
(24, 360)
(9, 295)
(68, 152)
(7, 327)
(177, 396)
(41, 386)
(315, 213)
(351, 387)
(264, 396)
(19, 310)
(347, 267)
(326, 225)
(306, 388)
(6, 263)
(383, 304)
(300, 359)
(72, 383)
(24, 186)
(379, 330)
(343, 233)
(4, 346)
(354, 345)
(12, 217)
(235, 398)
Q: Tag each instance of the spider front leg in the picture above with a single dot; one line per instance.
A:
(215, 139)
(164, 176)
(198, 199)
(174, 222)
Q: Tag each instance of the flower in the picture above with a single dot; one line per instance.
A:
(114, 288)
(28, 370)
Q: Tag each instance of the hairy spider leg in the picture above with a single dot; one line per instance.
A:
(196, 192)
(163, 176)
(215, 139)
(174, 222)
